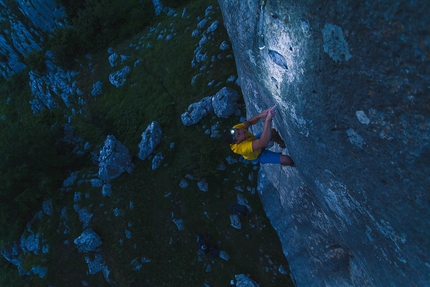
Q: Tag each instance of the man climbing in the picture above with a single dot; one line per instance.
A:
(253, 148)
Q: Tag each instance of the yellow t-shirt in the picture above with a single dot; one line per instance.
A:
(244, 148)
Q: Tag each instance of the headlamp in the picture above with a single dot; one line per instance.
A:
(233, 139)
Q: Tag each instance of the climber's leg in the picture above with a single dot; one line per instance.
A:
(286, 160)
(277, 138)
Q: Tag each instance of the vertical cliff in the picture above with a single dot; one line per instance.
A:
(351, 80)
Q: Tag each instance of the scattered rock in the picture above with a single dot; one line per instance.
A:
(179, 223)
(151, 137)
(88, 241)
(224, 102)
(97, 89)
(156, 161)
(244, 281)
(114, 159)
(197, 111)
(224, 255)
(203, 185)
(118, 78)
(107, 190)
(235, 221)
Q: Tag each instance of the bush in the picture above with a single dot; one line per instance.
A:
(99, 23)
(36, 61)
(174, 3)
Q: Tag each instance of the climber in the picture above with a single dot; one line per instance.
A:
(253, 148)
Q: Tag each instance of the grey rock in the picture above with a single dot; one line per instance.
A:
(87, 241)
(97, 88)
(224, 102)
(70, 180)
(118, 78)
(157, 160)
(39, 270)
(107, 190)
(224, 46)
(56, 84)
(212, 27)
(197, 111)
(114, 159)
(84, 217)
(203, 185)
(136, 264)
(224, 255)
(97, 265)
(47, 207)
(202, 24)
(243, 201)
(183, 183)
(12, 253)
(235, 221)
(179, 223)
(113, 59)
(230, 160)
(151, 137)
(341, 224)
(29, 23)
(95, 182)
(208, 11)
(31, 243)
(243, 280)
(158, 6)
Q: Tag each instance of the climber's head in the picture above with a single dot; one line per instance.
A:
(234, 135)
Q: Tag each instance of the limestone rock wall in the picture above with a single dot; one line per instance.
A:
(25, 26)
(352, 83)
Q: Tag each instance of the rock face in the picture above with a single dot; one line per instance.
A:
(24, 22)
(351, 82)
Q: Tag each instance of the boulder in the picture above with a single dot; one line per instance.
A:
(151, 137)
(243, 280)
(224, 102)
(196, 111)
(87, 241)
(118, 78)
(114, 159)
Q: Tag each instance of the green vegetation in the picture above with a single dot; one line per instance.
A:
(34, 164)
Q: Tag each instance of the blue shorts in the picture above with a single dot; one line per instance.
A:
(267, 156)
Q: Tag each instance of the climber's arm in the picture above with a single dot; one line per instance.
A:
(267, 130)
(255, 119)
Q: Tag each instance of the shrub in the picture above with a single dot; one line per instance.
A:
(98, 23)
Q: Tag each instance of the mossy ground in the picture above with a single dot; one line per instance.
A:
(160, 89)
